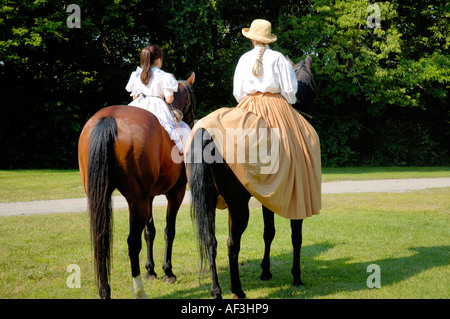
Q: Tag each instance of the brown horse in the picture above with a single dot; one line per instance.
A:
(124, 147)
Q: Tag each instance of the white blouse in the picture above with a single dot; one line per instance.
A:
(160, 84)
(278, 75)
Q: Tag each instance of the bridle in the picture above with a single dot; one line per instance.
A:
(300, 65)
(190, 108)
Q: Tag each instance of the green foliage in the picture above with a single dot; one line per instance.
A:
(368, 79)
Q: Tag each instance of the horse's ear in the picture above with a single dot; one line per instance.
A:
(290, 61)
(191, 79)
(308, 62)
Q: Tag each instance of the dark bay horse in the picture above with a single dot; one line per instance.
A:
(124, 147)
(306, 91)
(208, 180)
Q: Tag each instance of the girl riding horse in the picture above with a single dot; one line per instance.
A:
(152, 89)
(130, 149)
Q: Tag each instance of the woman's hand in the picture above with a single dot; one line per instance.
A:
(169, 99)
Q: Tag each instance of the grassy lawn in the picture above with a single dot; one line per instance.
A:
(405, 234)
(29, 185)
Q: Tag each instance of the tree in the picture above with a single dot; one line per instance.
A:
(368, 78)
(382, 92)
(56, 77)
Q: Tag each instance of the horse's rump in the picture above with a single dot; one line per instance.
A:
(142, 149)
(272, 150)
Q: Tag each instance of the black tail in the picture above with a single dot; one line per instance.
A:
(203, 196)
(100, 187)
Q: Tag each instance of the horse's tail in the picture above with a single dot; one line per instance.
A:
(99, 188)
(203, 198)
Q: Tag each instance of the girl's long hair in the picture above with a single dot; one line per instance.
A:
(148, 56)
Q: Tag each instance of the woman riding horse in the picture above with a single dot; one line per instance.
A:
(265, 85)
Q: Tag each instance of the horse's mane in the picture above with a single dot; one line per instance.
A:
(306, 88)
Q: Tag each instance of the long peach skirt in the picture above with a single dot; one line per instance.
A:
(272, 150)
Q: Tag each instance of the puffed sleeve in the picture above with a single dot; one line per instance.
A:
(169, 84)
(131, 85)
(288, 80)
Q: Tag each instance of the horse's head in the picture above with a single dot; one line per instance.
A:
(306, 91)
(185, 101)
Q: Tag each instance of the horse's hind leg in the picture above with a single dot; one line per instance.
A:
(236, 197)
(269, 234)
(149, 234)
(174, 198)
(138, 220)
(238, 220)
(296, 237)
(211, 254)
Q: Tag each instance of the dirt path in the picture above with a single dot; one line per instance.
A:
(80, 204)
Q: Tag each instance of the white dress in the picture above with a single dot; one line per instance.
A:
(152, 100)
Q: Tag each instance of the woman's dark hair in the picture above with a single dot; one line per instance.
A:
(148, 56)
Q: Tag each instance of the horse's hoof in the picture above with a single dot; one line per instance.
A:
(142, 295)
(266, 276)
(138, 288)
(216, 293)
(298, 282)
(240, 296)
(150, 277)
(169, 279)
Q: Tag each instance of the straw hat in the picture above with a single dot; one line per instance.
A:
(260, 30)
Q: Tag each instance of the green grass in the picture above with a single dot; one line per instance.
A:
(29, 185)
(406, 234)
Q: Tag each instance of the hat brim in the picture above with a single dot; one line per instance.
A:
(246, 33)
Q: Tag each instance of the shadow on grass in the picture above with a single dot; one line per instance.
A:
(321, 277)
